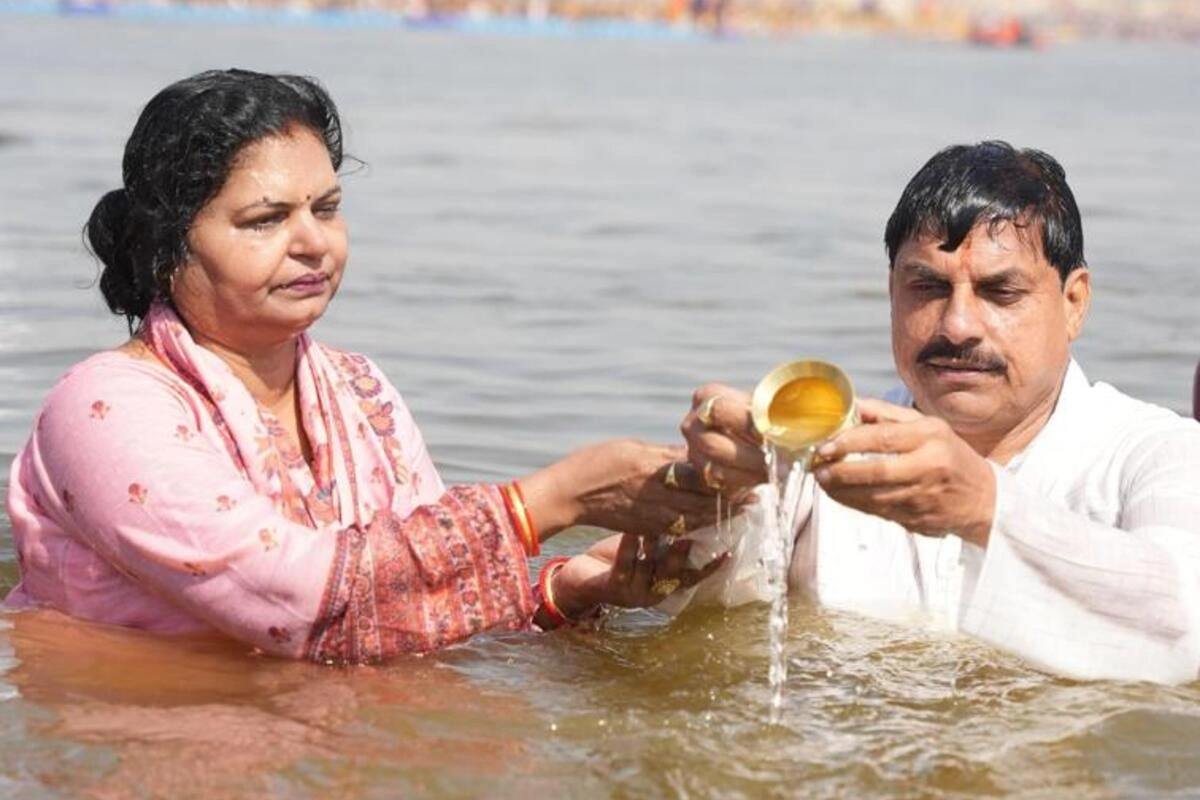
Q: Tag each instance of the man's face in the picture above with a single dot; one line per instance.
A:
(981, 335)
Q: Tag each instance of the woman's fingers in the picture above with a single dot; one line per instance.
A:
(627, 553)
(643, 569)
(684, 477)
(670, 557)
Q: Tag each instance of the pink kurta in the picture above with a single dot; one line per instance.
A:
(165, 498)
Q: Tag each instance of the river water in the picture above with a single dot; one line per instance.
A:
(554, 241)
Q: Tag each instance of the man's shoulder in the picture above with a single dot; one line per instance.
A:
(1126, 411)
(1136, 430)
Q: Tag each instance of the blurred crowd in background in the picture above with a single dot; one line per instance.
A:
(984, 22)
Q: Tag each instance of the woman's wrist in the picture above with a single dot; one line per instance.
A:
(571, 597)
(557, 603)
(550, 503)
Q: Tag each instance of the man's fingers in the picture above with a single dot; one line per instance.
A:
(872, 411)
(724, 409)
(879, 437)
(724, 451)
(866, 472)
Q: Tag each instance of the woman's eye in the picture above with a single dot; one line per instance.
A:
(263, 223)
(328, 211)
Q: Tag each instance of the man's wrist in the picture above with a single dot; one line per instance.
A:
(979, 532)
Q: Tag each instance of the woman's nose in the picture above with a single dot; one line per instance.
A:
(309, 238)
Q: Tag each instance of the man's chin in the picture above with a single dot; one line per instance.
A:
(964, 409)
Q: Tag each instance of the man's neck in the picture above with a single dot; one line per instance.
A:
(1002, 447)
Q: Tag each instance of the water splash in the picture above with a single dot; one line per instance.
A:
(786, 478)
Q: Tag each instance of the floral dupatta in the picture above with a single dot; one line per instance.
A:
(357, 462)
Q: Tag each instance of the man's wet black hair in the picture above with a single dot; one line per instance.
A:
(990, 183)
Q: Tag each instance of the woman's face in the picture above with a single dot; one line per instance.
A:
(266, 254)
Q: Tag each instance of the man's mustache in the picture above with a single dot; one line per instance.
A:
(968, 356)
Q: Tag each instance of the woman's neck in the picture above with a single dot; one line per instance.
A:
(269, 373)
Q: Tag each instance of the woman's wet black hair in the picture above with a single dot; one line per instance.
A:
(990, 183)
(181, 151)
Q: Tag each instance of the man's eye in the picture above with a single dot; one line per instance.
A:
(929, 287)
(328, 211)
(1004, 296)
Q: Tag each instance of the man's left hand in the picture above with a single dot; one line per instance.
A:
(929, 480)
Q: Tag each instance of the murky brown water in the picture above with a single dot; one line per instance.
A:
(555, 241)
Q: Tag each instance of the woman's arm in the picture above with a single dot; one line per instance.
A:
(124, 460)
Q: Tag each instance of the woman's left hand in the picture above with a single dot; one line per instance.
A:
(629, 571)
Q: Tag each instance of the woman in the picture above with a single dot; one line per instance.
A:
(220, 470)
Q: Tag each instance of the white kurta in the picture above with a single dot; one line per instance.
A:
(1092, 569)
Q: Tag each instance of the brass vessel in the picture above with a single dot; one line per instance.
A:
(800, 404)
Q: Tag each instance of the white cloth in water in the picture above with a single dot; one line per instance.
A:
(1092, 568)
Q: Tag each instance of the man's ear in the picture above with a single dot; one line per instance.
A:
(1077, 299)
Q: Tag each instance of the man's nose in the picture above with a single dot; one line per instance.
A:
(961, 317)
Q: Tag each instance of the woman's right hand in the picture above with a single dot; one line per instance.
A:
(622, 485)
(626, 571)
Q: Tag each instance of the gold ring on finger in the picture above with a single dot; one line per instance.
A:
(705, 414)
(662, 545)
(665, 586)
(678, 527)
(669, 479)
(710, 479)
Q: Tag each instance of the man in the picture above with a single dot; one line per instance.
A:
(1018, 502)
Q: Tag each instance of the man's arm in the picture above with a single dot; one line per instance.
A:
(1071, 594)
(1093, 601)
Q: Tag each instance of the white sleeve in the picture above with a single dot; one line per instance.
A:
(1092, 601)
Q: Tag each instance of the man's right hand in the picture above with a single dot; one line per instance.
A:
(722, 442)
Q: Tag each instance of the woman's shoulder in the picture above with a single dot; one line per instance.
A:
(348, 361)
(123, 373)
(361, 374)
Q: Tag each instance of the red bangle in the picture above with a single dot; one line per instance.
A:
(520, 519)
(535, 543)
(545, 578)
